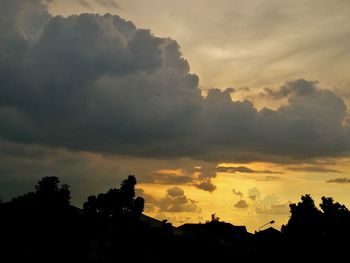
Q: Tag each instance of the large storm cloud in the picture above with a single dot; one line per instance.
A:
(98, 83)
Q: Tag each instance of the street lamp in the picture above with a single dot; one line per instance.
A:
(271, 222)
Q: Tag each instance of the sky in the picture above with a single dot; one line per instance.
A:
(233, 108)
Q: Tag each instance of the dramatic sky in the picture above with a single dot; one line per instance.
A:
(234, 108)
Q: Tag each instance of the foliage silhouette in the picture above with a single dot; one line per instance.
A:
(42, 226)
(305, 218)
(310, 229)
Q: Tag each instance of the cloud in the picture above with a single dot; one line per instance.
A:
(206, 185)
(241, 204)
(317, 169)
(22, 165)
(243, 169)
(177, 202)
(149, 200)
(239, 193)
(274, 209)
(175, 192)
(207, 170)
(300, 87)
(267, 204)
(169, 178)
(22, 19)
(197, 176)
(341, 180)
(254, 193)
(99, 84)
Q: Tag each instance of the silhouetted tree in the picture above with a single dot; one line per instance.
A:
(139, 205)
(336, 218)
(310, 229)
(114, 218)
(305, 219)
(116, 203)
(42, 225)
(50, 192)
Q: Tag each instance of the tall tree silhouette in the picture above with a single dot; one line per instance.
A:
(305, 219)
(42, 225)
(310, 229)
(336, 219)
(51, 193)
(114, 220)
(116, 203)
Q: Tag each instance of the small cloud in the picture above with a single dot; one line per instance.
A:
(175, 201)
(239, 193)
(241, 204)
(341, 180)
(316, 169)
(175, 192)
(206, 185)
(274, 209)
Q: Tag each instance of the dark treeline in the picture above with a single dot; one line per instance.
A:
(42, 226)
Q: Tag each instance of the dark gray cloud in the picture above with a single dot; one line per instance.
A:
(98, 83)
(341, 180)
(206, 185)
(175, 192)
(243, 169)
(300, 87)
(194, 173)
(317, 169)
(22, 165)
(241, 204)
(175, 201)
